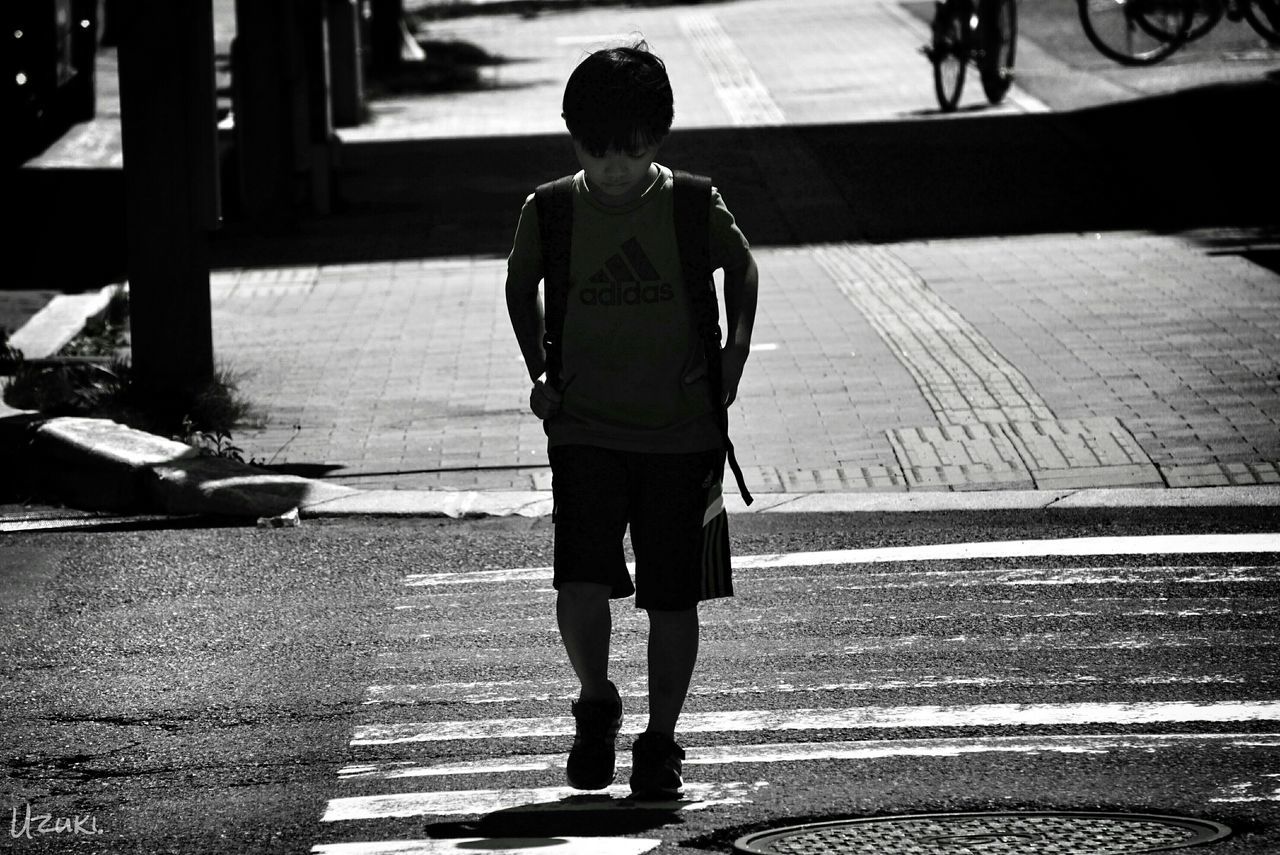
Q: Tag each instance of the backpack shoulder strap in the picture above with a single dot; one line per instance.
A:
(554, 202)
(693, 236)
(692, 203)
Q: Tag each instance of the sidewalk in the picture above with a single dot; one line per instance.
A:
(1050, 362)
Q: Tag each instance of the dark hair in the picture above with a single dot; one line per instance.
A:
(619, 98)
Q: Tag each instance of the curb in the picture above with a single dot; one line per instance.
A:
(101, 465)
(429, 10)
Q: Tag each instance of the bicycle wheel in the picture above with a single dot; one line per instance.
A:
(1132, 32)
(1264, 17)
(998, 24)
(949, 53)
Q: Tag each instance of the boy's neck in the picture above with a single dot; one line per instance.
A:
(641, 187)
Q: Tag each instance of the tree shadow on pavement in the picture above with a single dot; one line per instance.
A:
(1195, 159)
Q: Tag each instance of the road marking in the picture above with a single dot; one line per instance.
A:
(993, 427)
(742, 93)
(874, 615)
(566, 689)
(531, 800)
(1147, 544)
(1247, 792)
(871, 749)
(738, 721)
(524, 638)
(495, 846)
(1157, 544)
(962, 376)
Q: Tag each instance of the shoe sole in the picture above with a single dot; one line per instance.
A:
(655, 795)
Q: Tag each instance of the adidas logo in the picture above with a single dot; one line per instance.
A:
(627, 279)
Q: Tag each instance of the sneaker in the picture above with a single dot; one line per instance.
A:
(590, 764)
(655, 768)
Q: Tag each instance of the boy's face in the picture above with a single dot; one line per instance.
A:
(618, 177)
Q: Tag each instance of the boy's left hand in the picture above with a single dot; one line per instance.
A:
(732, 360)
(544, 400)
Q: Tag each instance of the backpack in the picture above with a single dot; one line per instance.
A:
(692, 214)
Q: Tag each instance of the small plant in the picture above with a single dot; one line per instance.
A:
(93, 376)
(10, 356)
(210, 443)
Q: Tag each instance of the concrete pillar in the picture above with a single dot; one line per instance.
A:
(321, 144)
(285, 149)
(169, 135)
(346, 63)
(266, 67)
(386, 38)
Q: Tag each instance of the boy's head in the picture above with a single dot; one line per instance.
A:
(619, 99)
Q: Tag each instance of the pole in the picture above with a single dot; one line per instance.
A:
(169, 135)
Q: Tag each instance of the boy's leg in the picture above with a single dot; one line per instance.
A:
(673, 652)
(667, 532)
(582, 611)
(590, 520)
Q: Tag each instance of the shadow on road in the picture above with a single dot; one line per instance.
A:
(572, 816)
(1197, 158)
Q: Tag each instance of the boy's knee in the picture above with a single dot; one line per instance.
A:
(673, 616)
(583, 592)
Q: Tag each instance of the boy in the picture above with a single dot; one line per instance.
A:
(633, 436)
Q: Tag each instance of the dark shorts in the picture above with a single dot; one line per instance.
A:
(679, 530)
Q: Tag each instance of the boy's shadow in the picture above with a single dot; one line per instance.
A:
(587, 815)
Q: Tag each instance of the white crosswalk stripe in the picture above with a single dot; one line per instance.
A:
(870, 658)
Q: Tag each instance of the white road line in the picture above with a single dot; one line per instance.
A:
(966, 577)
(738, 721)
(530, 800)
(566, 689)
(1246, 792)
(1157, 544)
(870, 749)
(495, 846)
(1154, 544)
(463, 630)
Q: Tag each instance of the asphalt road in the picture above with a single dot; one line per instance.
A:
(245, 690)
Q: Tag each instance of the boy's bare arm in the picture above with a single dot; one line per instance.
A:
(741, 286)
(525, 311)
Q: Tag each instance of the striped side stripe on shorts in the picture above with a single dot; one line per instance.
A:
(717, 574)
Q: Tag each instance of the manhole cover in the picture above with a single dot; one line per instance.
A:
(1020, 833)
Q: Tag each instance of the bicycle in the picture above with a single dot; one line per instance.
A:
(962, 34)
(1262, 15)
(1144, 32)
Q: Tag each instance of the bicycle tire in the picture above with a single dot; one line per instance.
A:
(998, 23)
(1130, 31)
(949, 53)
(1264, 17)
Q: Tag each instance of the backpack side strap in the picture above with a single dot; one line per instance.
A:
(554, 202)
(693, 236)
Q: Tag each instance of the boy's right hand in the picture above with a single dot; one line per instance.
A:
(544, 400)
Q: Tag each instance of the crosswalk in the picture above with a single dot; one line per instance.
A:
(826, 664)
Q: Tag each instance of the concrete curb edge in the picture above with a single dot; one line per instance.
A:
(99, 464)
